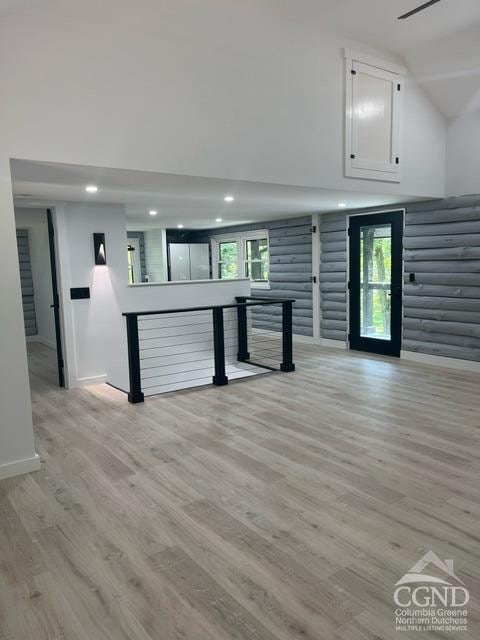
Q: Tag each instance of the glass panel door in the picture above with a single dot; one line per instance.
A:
(375, 286)
(376, 281)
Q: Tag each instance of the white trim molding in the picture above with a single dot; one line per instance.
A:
(441, 361)
(316, 257)
(19, 467)
(358, 163)
(91, 380)
(240, 238)
(374, 61)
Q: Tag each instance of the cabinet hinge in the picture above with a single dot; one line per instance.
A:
(348, 285)
(397, 160)
(399, 87)
(313, 229)
(313, 279)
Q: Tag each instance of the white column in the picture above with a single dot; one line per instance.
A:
(17, 450)
(316, 274)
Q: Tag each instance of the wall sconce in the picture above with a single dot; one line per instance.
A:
(99, 248)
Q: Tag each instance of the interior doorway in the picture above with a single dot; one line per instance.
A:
(55, 299)
(375, 284)
(40, 297)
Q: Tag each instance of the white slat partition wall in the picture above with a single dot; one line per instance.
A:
(176, 351)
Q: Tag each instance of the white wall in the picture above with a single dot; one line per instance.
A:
(95, 337)
(242, 90)
(463, 155)
(221, 88)
(35, 220)
(155, 254)
(17, 452)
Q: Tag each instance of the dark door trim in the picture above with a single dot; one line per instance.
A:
(56, 298)
(391, 347)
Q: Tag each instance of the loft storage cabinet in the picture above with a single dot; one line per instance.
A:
(374, 110)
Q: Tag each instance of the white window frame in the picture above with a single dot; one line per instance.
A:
(241, 240)
(358, 167)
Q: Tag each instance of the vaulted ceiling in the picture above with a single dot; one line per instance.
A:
(441, 45)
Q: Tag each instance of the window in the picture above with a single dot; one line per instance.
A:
(134, 266)
(228, 260)
(256, 259)
(243, 255)
(374, 98)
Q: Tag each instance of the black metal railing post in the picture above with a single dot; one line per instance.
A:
(287, 340)
(243, 354)
(219, 377)
(135, 394)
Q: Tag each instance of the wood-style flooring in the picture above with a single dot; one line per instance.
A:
(280, 508)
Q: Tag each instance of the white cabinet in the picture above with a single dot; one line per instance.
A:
(374, 106)
(189, 261)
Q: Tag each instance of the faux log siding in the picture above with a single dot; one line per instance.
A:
(442, 248)
(26, 280)
(290, 272)
(442, 307)
(333, 276)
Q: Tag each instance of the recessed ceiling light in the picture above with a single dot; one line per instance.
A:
(342, 205)
(91, 188)
(179, 226)
(152, 212)
(218, 219)
(229, 198)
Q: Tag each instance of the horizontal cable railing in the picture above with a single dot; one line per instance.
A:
(180, 348)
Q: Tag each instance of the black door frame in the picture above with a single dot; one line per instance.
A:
(392, 347)
(56, 299)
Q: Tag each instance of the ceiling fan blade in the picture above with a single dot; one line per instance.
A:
(418, 9)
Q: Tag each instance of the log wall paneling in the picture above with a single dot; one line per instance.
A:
(290, 243)
(442, 249)
(333, 276)
(26, 280)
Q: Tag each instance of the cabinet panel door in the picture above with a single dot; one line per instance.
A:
(373, 123)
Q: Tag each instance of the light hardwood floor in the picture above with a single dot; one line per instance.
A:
(279, 508)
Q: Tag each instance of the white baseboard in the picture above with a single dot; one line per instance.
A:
(86, 382)
(441, 361)
(299, 339)
(41, 340)
(322, 342)
(333, 344)
(19, 467)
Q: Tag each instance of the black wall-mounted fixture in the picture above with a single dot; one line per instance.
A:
(99, 248)
(79, 293)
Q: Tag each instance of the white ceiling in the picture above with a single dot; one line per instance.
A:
(439, 45)
(192, 201)
(13, 6)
